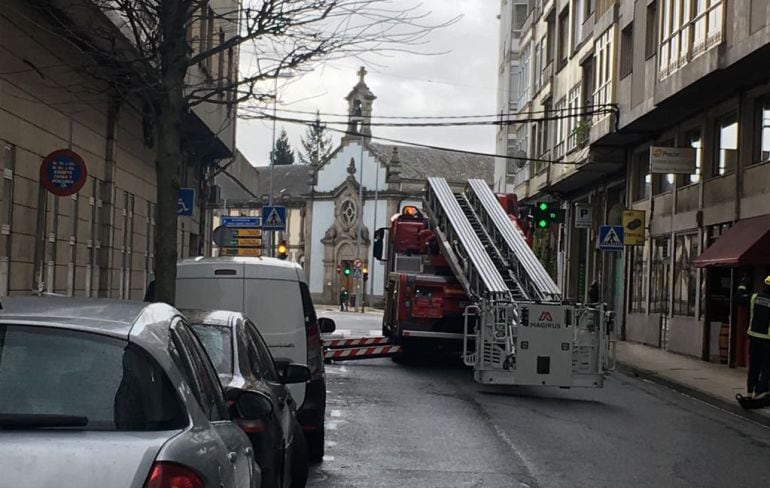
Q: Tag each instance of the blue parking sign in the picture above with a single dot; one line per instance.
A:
(185, 201)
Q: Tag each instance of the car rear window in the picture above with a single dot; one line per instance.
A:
(111, 384)
(219, 345)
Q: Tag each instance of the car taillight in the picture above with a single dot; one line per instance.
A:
(172, 475)
(315, 360)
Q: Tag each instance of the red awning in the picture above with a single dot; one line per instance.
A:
(745, 243)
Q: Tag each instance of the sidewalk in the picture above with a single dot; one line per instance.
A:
(713, 383)
(336, 308)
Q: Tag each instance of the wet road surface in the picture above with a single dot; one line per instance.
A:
(428, 424)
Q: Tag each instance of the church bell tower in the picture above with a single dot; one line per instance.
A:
(360, 101)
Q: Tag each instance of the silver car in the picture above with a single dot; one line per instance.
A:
(97, 393)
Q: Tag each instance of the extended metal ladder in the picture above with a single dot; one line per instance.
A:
(522, 333)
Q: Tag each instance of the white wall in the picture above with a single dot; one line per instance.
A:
(335, 171)
(323, 218)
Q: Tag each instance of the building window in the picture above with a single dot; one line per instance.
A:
(638, 290)
(590, 7)
(550, 37)
(694, 140)
(348, 213)
(651, 30)
(578, 16)
(642, 176)
(764, 132)
(727, 149)
(560, 123)
(573, 108)
(660, 270)
(563, 37)
(519, 18)
(627, 51)
(539, 64)
(687, 30)
(664, 183)
(604, 70)
(685, 274)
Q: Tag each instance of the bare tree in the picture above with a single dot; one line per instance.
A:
(167, 57)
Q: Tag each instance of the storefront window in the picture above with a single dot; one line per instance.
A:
(660, 271)
(685, 274)
(639, 268)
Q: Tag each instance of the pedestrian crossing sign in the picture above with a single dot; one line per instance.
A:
(274, 218)
(611, 237)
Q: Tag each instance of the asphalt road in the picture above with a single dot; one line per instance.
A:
(430, 425)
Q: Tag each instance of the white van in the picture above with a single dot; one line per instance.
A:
(274, 295)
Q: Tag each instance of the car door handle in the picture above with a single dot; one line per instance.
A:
(232, 456)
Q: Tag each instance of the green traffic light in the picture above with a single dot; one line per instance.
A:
(542, 223)
(347, 271)
(543, 206)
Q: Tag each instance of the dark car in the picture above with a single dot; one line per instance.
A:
(244, 364)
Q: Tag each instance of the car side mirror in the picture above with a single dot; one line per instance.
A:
(251, 405)
(291, 373)
(327, 325)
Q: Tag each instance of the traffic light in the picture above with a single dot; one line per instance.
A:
(347, 270)
(282, 250)
(543, 217)
(365, 273)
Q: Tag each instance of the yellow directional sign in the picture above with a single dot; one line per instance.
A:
(240, 232)
(240, 251)
(249, 242)
(633, 227)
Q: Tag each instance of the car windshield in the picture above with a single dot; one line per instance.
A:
(52, 378)
(218, 343)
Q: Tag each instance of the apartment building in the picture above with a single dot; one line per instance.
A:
(98, 242)
(674, 73)
(512, 85)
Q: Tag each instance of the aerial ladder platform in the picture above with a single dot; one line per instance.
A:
(518, 330)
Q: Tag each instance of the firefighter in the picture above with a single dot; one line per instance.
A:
(759, 342)
(343, 300)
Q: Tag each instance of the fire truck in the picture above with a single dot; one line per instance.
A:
(462, 276)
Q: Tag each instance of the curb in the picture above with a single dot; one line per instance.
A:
(708, 398)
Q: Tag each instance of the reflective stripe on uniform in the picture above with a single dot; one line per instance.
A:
(764, 302)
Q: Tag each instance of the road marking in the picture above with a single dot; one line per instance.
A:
(375, 333)
(336, 413)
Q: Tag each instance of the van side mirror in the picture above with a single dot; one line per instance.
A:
(327, 325)
(294, 373)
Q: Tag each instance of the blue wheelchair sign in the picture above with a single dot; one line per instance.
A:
(185, 201)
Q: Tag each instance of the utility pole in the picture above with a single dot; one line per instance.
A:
(374, 227)
(359, 280)
(270, 246)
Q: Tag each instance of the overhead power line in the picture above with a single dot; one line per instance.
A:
(498, 122)
(602, 107)
(437, 148)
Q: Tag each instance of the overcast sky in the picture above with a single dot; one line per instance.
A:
(463, 81)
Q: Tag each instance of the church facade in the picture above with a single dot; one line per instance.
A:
(361, 186)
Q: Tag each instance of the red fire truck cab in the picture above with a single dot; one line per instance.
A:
(424, 302)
